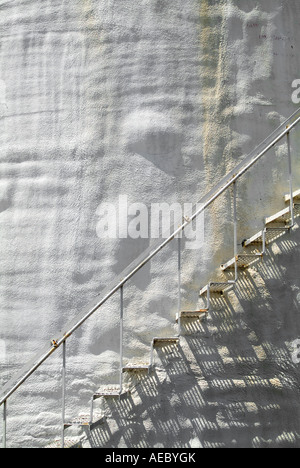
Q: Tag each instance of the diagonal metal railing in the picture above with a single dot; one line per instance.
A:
(62, 336)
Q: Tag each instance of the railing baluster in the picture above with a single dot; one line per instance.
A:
(4, 423)
(290, 180)
(208, 297)
(235, 229)
(63, 396)
(179, 285)
(121, 336)
(264, 241)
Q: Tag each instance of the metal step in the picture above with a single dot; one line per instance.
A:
(136, 368)
(168, 340)
(106, 393)
(192, 314)
(216, 287)
(272, 233)
(243, 261)
(80, 421)
(296, 194)
(282, 216)
(68, 443)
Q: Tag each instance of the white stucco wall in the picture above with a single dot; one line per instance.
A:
(156, 100)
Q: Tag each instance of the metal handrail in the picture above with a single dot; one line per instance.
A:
(143, 259)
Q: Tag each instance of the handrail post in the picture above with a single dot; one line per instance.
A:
(235, 229)
(179, 285)
(121, 336)
(264, 240)
(208, 297)
(290, 180)
(152, 355)
(63, 396)
(4, 423)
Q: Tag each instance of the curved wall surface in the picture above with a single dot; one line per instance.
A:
(123, 105)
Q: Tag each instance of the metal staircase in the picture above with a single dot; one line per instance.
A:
(274, 227)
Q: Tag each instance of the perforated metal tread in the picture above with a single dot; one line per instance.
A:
(136, 368)
(81, 421)
(107, 392)
(271, 234)
(216, 287)
(192, 314)
(282, 216)
(68, 443)
(167, 340)
(242, 261)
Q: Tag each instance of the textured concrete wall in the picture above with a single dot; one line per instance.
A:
(156, 100)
